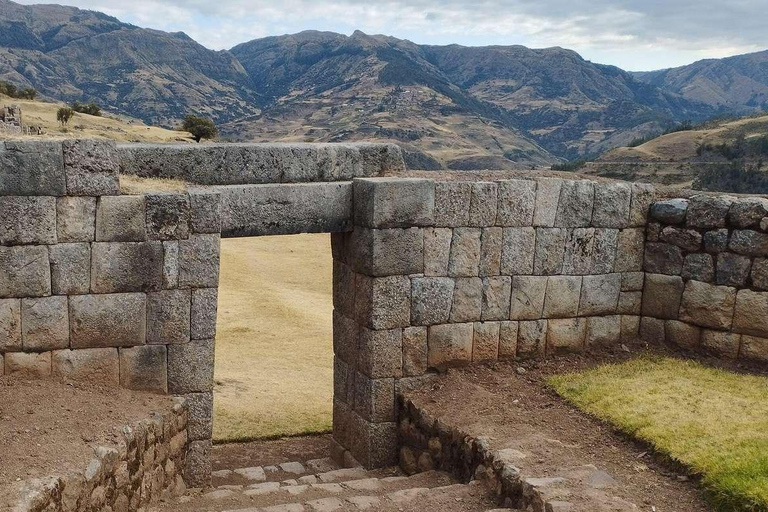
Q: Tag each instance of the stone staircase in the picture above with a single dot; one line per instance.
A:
(319, 485)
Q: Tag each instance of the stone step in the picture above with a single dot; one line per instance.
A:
(282, 472)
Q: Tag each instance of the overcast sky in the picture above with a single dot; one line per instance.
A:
(632, 34)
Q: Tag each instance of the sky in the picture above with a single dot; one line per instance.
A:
(635, 35)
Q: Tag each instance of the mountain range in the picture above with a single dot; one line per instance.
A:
(448, 106)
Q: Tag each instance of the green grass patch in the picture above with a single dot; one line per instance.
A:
(713, 421)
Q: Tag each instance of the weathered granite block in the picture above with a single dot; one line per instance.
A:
(345, 336)
(374, 445)
(547, 198)
(386, 252)
(341, 421)
(98, 366)
(485, 344)
(747, 212)
(566, 335)
(700, 267)
(449, 344)
(749, 242)
(452, 202)
(394, 202)
(663, 258)
(24, 271)
(375, 398)
(643, 196)
(126, 266)
(496, 298)
(70, 268)
(527, 297)
(732, 269)
(199, 261)
(517, 251)
(708, 211)
(517, 200)
(632, 281)
(760, 273)
(754, 349)
(532, 339)
(707, 305)
(343, 381)
(483, 204)
(630, 251)
(168, 317)
(383, 302)
(682, 335)
(197, 472)
(599, 294)
(92, 167)
(490, 251)
(630, 303)
(721, 344)
(612, 202)
(465, 252)
(10, 325)
(562, 296)
(76, 219)
(144, 368)
(662, 296)
(576, 203)
(604, 252)
(630, 326)
(508, 339)
(687, 239)
(203, 312)
(467, 300)
(432, 298)
(652, 329)
(603, 330)
(751, 315)
(437, 251)
(343, 292)
(190, 367)
(200, 423)
(28, 365)
(170, 264)
(27, 220)
(205, 211)
(414, 351)
(670, 211)
(121, 219)
(716, 240)
(380, 353)
(32, 168)
(550, 247)
(168, 216)
(653, 231)
(578, 252)
(45, 323)
(110, 320)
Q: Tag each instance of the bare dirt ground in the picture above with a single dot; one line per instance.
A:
(272, 452)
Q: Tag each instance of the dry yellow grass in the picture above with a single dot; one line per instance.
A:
(274, 351)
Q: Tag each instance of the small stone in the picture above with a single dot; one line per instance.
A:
(747, 212)
(752, 243)
(661, 258)
(295, 468)
(253, 473)
(732, 269)
(708, 211)
(716, 240)
(700, 267)
(671, 211)
(687, 239)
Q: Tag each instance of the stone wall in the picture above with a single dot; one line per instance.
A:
(706, 265)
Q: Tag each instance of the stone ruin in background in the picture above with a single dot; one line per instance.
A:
(10, 122)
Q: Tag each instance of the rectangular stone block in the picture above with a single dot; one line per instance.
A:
(205, 211)
(643, 195)
(387, 252)
(612, 204)
(92, 167)
(383, 302)
(661, 258)
(746, 212)
(121, 219)
(662, 296)
(508, 339)
(168, 216)
(450, 344)
(754, 349)
(630, 303)
(600, 294)
(467, 300)
(630, 326)
(485, 344)
(197, 469)
(70, 268)
(343, 289)
(374, 445)
(632, 281)
(720, 343)
(100, 366)
(716, 240)
(76, 219)
(578, 252)
(732, 269)
(550, 248)
(32, 168)
(432, 299)
(574, 209)
(547, 198)
(380, 353)
(2, 365)
(527, 297)
(168, 317)
(345, 336)
(562, 296)
(603, 330)
(437, 251)
(375, 398)
(652, 329)
(126, 266)
(30, 365)
(452, 202)
(751, 315)
(483, 204)
(144, 368)
(517, 201)
(45, 323)
(566, 335)
(490, 252)
(605, 249)
(24, 271)
(496, 298)
(465, 253)
(110, 320)
(343, 381)
(200, 424)
(517, 252)
(10, 325)
(394, 202)
(27, 220)
(708, 211)
(203, 313)
(630, 251)
(682, 335)
(707, 305)
(190, 367)
(749, 242)
(759, 273)
(170, 264)
(414, 351)
(199, 261)
(532, 339)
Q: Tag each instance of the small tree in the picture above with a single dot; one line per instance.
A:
(200, 127)
(64, 114)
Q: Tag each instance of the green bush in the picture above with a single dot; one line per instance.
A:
(200, 127)
(23, 93)
(64, 114)
(87, 108)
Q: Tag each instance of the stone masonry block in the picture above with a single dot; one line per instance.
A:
(630, 326)
(200, 424)
(126, 266)
(28, 365)
(203, 313)
(670, 211)
(437, 251)
(708, 211)
(699, 267)
(527, 297)
(10, 325)
(27, 220)
(604, 253)
(603, 330)
(343, 381)
(452, 202)
(531, 339)
(508, 339)
(144, 368)
(483, 204)
(661, 258)
(70, 268)
(2, 365)
(345, 337)
(632, 281)
(747, 212)
(76, 219)
(465, 253)
(467, 300)
(168, 216)
(566, 335)
(374, 445)
(576, 203)
(550, 247)
(642, 197)
(688, 239)
(45, 323)
(199, 261)
(496, 298)
(108, 320)
(449, 344)
(754, 349)
(190, 367)
(205, 211)
(631, 248)
(394, 202)
(716, 240)
(732, 269)
(682, 335)
(600, 294)
(485, 344)
(630, 303)
(612, 203)
(387, 252)
(562, 296)
(707, 305)
(517, 200)
(383, 302)
(375, 398)
(517, 251)
(343, 289)
(652, 329)
(92, 167)
(121, 219)
(547, 198)
(662, 296)
(170, 264)
(490, 251)
(578, 253)
(720, 343)
(432, 298)
(197, 472)
(760, 274)
(168, 317)
(749, 242)
(414, 351)
(380, 353)
(32, 168)
(751, 315)
(24, 271)
(100, 366)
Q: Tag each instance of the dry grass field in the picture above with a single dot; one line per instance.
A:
(274, 354)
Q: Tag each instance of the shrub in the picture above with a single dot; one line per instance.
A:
(64, 114)
(87, 108)
(200, 127)
(13, 91)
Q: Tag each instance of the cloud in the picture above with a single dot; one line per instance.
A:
(634, 34)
